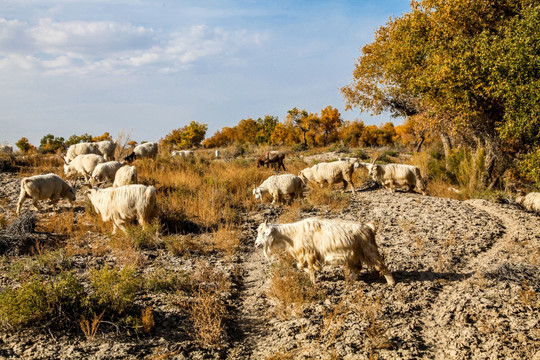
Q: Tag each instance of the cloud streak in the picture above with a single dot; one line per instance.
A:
(107, 47)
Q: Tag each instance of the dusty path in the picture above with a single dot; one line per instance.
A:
(251, 308)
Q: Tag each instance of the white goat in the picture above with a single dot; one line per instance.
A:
(331, 173)
(126, 175)
(106, 148)
(313, 242)
(6, 149)
(278, 185)
(146, 150)
(103, 148)
(183, 153)
(83, 165)
(397, 174)
(125, 204)
(81, 149)
(106, 171)
(531, 201)
(43, 187)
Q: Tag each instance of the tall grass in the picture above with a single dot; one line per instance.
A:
(208, 193)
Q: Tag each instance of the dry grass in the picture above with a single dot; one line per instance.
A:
(207, 313)
(290, 288)
(147, 319)
(208, 193)
(226, 239)
(90, 328)
(443, 189)
(335, 200)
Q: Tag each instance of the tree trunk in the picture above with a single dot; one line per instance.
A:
(422, 139)
(493, 157)
(447, 146)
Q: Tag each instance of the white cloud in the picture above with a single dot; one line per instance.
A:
(82, 47)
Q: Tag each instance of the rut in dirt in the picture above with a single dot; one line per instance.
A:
(249, 323)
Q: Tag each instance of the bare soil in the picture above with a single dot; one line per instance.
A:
(467, 277)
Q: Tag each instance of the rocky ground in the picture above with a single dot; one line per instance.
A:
(467, 277)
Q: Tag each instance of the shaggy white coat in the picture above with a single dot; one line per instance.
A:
(390, 175)
(331, 173)
(125, 204)
(106, 171)
(531, 201)
(183, 153)
(146, 150)
(83, 165)
(43, 187)
(104, 148)
(313, 242)
(6, 149)
(126, 175)
(81, 149)
(279, 185)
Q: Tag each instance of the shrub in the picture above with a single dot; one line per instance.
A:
(114, 289)
(290, 288)
(25, 305)
(38, 299)
(529, 167)
(299, 147)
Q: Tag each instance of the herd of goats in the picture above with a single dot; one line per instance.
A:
(312, 242)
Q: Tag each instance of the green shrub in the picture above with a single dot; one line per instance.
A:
(24, 305)
(529, 167)
(145, 237)
(114, 289)
(161, 280)
(38, 299)
(299, 147)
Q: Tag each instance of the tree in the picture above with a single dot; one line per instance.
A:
(105, 137)
(51, 144)
(24, 145)
(75, 139)
(470, 66)
(247, 131)
(266, 126)
(330, 121)
(187, 137)
(300, 119)
(351, 131)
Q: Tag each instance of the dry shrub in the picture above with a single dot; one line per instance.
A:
(90, 328)
(291, 213)
(290, 288)
(3, 221)
(226, 239)
(180, 245)
(528, 296)
(207, 313)
(206, 276)
(59, 223)
(369, 310)
(207, 309)
(125, 250)
(207, 193)
(333, 322)
(163, 280)
(34, 164)
(335, 200)
(421, 161)
(442, 189)
(281, 356)
(147, 319)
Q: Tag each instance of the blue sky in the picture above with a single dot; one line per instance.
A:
(147, 67)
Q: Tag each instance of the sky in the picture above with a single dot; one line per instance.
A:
(146, 67)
